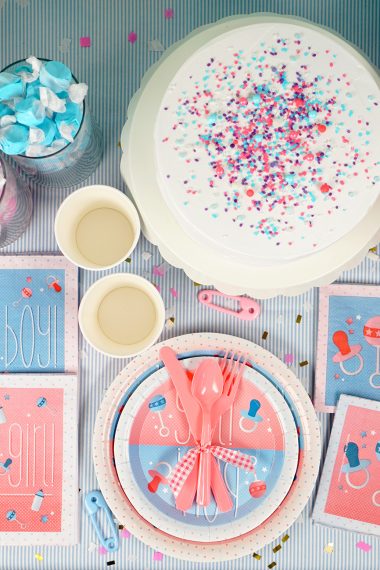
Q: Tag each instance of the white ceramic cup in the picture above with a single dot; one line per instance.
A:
(97, 227)
(121, 315)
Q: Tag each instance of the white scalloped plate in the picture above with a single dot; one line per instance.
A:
(289, 510)
(195, 525)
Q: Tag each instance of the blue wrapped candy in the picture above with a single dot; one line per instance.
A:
(5, 110)
(72, 116)
(11, 86)
(14, 139)
(30, 112)
(56, 76)
(33, 89)
(50, 130)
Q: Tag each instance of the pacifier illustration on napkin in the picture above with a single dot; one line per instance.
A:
(346, 352)
(251, 415)
(355, 464)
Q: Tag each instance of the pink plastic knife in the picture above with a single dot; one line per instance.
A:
(192, 411)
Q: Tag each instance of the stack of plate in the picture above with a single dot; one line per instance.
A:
(141, 432)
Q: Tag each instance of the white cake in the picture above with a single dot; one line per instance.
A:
(266, 143)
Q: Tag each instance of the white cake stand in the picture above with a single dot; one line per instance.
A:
(200, 262)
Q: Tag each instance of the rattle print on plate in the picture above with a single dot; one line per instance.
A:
(146, 455)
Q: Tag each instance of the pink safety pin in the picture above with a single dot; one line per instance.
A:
(248, 311)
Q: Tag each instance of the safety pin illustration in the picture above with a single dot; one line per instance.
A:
(371, 333)
(53, 283)
(346, 352)
(158, 404)
(355, 465)
(248, 308)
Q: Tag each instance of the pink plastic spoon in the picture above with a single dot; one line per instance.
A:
(206, 387)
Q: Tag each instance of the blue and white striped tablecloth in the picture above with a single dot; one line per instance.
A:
(113, 68)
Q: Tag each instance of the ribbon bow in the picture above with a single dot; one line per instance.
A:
(185, 466)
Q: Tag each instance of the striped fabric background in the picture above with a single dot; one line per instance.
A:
(113, 68)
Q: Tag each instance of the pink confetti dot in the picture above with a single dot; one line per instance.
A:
(289, 358)
(349, 320)
(336, 376)
(157, 556)
(102, 551)
(169, 13)
(174, 292)
(85, 42)
(132, 37)
(157, 271)
(28, 279)
(325, 188)
(363, 546)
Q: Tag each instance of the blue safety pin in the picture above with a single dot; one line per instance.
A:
(95, 501)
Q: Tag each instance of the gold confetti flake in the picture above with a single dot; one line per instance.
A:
(277, 548)
(256, 556)
(299, 319)
(38, 557)
(196, 284)
(329, 548)
(304, 363)
(265, 335)
(272, 565)
(285, 538)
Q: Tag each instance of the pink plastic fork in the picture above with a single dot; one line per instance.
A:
(232, 371)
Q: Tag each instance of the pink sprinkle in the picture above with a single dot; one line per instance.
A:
(102, 550)
(125, 533)
(169, 13)
(349, 321)
(85, 41)
(157, 271)
(289, 358)
(363, 546)
(132, 37)
(351, 331)
(157, 556)
(28, 279)
(336, 376)
(174, 292)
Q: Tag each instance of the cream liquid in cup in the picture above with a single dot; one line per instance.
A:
(127, 315)
(103, 235)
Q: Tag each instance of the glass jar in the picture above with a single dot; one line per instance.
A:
(16, 204)
(68, 166)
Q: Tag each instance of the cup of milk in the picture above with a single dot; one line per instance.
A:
(121, 315)
(97, 227)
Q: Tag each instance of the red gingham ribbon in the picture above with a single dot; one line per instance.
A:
(184, 467)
